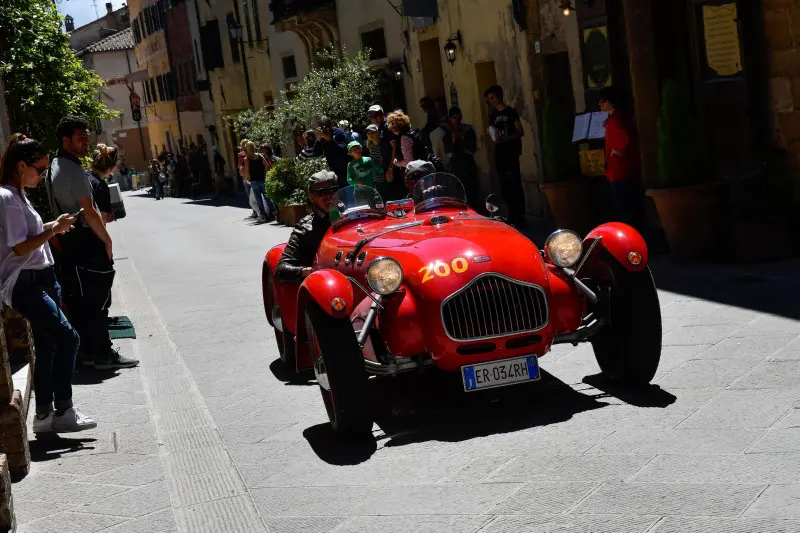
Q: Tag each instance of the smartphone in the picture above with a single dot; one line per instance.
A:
(77, 213)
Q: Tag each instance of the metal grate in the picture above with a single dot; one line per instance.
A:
(493, 306)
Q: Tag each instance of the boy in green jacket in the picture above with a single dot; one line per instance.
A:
(361, 171)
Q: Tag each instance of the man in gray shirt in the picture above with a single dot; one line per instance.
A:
(87, 271)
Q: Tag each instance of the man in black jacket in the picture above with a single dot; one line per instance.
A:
(295, 263)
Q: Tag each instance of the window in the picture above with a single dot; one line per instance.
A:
(231, 20)
(247, 23)
(211, 45)
(147, 96)
(376, 42)
(160, 83)
(256, 22)
(136, 37)
(153, 90)
(289, 67)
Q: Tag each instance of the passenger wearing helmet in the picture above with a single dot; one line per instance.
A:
(416, 170)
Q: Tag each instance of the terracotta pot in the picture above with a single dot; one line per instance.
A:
(292, 213)
(762, 239)
(573, 204)
(693, 218)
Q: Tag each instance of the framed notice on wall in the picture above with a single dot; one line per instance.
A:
(721, 50)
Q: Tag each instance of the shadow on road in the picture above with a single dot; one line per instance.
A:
(206, 200)
(92, 376)
(280, 372)
(47, 447)
(647, 396)
(438, 409)
(335, 450)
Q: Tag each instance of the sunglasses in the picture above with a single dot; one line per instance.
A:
(325, 191)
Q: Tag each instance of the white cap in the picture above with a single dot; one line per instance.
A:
(344, 123)
(375, 109)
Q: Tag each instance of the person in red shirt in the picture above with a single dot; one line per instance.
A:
(623, 160)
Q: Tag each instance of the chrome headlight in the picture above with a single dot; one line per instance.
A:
(384, 275)
(564, 248)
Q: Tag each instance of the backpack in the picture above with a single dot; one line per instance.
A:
(422, 152)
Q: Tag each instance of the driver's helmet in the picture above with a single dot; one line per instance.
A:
(416, 170)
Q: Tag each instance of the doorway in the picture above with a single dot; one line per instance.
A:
(485, 77)
(432, 74)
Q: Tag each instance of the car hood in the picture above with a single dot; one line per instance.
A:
(438, 260)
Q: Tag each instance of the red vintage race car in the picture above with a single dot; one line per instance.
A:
(429, 282)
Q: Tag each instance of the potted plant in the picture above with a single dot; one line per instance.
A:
(761, 204)
(690, 202)
(569, 197)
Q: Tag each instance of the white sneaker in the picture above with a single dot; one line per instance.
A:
(44, 425)
(71, 421)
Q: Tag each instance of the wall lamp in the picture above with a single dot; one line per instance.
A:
(450, 48)
(567, 8)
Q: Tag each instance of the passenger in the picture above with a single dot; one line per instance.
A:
(416, 170)
(295, 263)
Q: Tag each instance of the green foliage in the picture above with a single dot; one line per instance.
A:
(560, 158)
(287, 181)
(682, 157)
(341, 87)
(44, 79)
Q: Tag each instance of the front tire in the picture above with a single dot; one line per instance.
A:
(339, 369)
(284, 339)
(628, 348)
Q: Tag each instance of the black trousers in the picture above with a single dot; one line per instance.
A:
(510, 177)
(87, 276)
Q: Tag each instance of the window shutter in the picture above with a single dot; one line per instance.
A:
(211, 45)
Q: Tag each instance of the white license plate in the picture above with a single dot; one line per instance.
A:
(500, 373)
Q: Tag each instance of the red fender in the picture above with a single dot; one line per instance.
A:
(624, 243)
(270, 262)
(321, 287)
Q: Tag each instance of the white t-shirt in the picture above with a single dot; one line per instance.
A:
(18, 222)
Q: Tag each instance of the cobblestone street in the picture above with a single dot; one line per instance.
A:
(206, 435)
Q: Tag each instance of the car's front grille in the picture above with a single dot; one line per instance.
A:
(493, 306)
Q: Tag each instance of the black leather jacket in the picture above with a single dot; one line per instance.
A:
(302, 247)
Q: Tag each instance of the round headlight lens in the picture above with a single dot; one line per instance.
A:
(564, 248)
(384, 275)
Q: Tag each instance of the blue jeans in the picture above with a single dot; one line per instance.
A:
(37, 297)
(261, 204)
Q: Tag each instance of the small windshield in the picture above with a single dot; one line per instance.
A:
(436, 190)
(356, 202)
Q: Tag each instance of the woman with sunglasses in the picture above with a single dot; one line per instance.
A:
(28, 284)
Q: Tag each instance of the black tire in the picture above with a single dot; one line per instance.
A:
(628, 348)
(339, 368)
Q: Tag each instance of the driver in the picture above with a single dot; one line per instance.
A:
(415, 170)
(295, 262)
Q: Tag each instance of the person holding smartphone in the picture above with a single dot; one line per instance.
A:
(28, 284)
(87, 272)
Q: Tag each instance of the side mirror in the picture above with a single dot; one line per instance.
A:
(493, 205)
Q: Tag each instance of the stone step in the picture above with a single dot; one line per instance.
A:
(22, 381)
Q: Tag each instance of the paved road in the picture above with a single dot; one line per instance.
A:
(206, 437)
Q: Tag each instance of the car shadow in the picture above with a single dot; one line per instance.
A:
(645, 396)
(439, 410)
(303, 379)
(336, 450)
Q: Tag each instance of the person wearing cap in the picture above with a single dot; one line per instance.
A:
(460, 145)
(361, 171)
(351, 135)
(332, 143)
(415, 170)
(295, 262)
(385, 137)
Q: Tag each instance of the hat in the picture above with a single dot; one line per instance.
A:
(375, 109)
(352, 145)
(373, 127)
(344, 123)
(321, 178)
(419, 168)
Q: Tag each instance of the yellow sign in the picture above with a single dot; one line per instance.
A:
(723, 53)
(593, 162)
